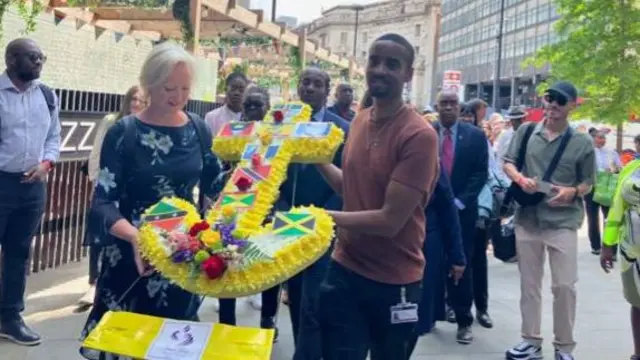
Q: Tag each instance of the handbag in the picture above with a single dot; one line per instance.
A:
(605, 188)
(503, 239)
(515, 192)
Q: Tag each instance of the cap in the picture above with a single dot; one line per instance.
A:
(565, 89)
(516, 112)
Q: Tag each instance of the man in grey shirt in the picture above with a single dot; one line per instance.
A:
(551, 224)
(29, 147)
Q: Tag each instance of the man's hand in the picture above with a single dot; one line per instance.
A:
(564, 195)
(456, 273)
(606, 258)
(528, 185)
(37, 173)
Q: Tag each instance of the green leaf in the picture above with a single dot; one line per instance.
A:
(253, 254)
(597, 51)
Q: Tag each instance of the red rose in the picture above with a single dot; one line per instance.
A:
(243, 183)
(213, 267)
(198, 227)
(278, 116)
(255, 160)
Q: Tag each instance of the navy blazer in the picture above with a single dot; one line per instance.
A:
(310, 187)
(442, 217)
(470, 165)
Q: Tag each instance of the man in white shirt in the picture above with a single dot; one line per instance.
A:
(516, 116)
(235, 85)
(607, 159)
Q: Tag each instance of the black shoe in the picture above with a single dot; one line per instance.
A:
(464, 335)
(595, 252)
(270, 323)
(19, 333)
(451, 316)
(484, 320)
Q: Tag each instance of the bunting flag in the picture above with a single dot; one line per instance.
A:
(98, 31)
(58, 17)
(80, 23)
(118, 36)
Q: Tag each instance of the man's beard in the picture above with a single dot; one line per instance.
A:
(27, 76)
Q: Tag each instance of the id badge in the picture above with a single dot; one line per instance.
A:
(404, 313)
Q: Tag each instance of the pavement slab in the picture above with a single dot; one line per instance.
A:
(602, 325)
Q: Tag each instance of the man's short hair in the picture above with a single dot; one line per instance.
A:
(636, 139)
(476, 104)
(235, 75)
(402, 41)
(253, 89)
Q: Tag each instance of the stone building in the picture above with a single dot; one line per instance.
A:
(349, 30)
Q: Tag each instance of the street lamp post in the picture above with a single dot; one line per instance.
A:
(496, 76)
(357, 9)
(273, 10)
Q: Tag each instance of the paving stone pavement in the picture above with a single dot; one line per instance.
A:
(602, 326)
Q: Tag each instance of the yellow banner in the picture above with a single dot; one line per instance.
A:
(152, 338)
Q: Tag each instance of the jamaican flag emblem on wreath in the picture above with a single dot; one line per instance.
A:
(240, 200)
(293, 224)
(165, 216)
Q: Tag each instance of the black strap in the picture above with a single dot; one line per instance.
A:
(522, 152)
(556, 157)
(49, 97)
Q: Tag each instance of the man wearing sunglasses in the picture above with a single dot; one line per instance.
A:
(550, 222)
(29, 146)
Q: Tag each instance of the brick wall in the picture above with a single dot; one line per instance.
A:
(79, 61)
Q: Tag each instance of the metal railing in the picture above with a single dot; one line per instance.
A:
(59, 238)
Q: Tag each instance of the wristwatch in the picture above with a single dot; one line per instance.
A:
(50, 164)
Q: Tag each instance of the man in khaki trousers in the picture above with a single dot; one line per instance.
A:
(551, 224)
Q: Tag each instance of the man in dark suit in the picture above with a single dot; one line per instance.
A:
(464, 157)
(344, 100)
(305, 186)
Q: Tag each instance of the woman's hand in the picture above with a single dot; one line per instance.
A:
(143, 267)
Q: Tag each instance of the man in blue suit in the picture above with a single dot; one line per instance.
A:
(305, 186)
(464, 157)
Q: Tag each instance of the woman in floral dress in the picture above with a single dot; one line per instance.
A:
(159, 152)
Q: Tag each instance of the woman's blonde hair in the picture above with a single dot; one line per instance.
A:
(125, 107)
(160, 63)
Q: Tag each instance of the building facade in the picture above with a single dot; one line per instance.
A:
(350, 30)
(468, 43)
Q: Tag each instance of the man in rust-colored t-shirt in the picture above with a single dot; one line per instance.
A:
(369, 299)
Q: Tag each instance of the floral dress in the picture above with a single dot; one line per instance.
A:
(162, 161)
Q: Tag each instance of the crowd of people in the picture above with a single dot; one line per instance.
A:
(415, 203)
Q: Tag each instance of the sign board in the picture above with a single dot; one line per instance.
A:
(452, 82)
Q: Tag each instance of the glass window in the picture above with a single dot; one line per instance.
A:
(343, 38)
(418, 30)
(543, 13)
(530, 45)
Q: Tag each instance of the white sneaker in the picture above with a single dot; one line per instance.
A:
(560, 355)
(525, 351)
(256, 301)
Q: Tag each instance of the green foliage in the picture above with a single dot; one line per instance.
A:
(180, 11)
(599, 51)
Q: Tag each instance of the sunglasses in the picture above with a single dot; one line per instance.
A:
(559, 99)
(34, 57)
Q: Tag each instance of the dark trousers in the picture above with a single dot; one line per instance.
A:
(480, 271)
(309, 337)
(593, 210)
(21, 209)
(355, 315)
(270, 299)
(94, 263)
(460, 296)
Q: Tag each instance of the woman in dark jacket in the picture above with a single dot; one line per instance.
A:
(443, 252)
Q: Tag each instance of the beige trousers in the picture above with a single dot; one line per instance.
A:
(532, 244)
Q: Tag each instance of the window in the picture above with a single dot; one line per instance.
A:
(543, 13)
(365, 38)
(417, 50)
(402, 9)
(418, 30)
(343, 38)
